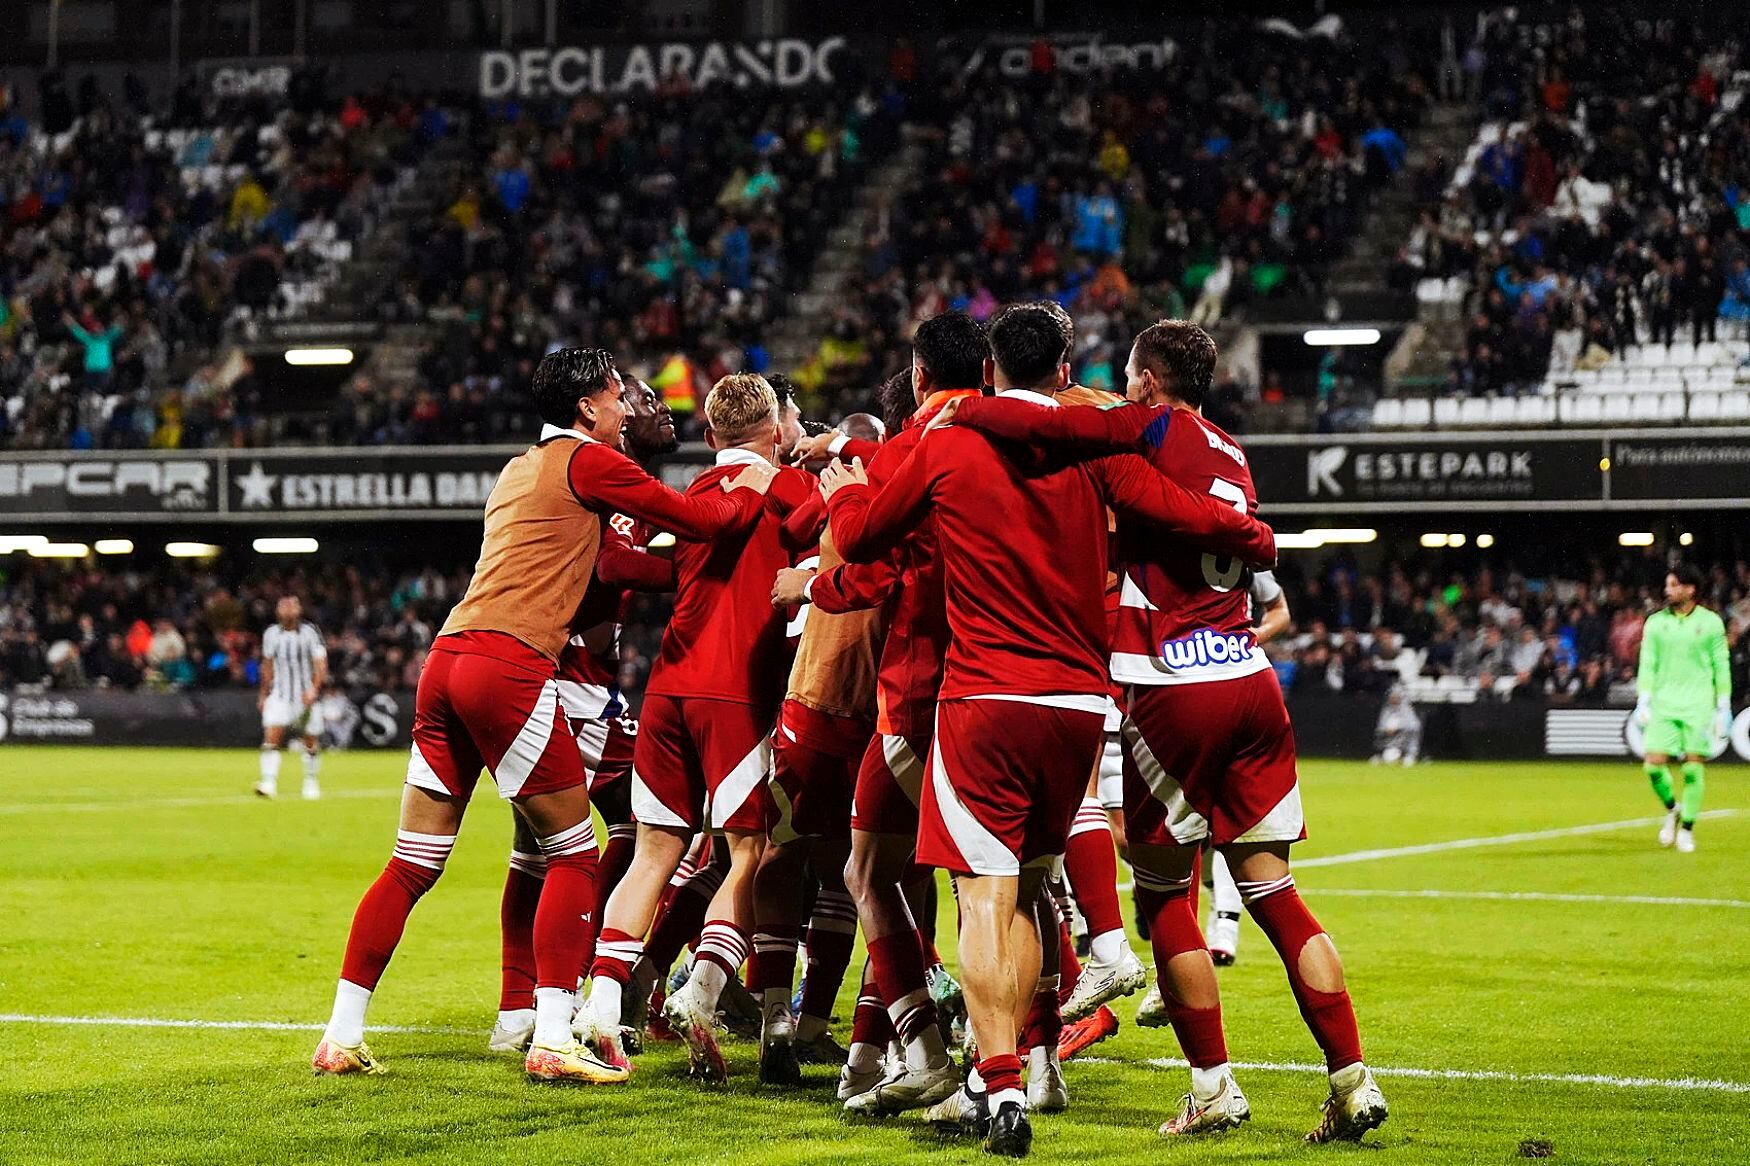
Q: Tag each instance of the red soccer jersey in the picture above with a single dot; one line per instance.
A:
(725, 640)
(589, 664)
(909, 580)
(1022, 542)
(1183, 614)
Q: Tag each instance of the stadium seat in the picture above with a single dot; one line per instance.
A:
(1502, 410)
(1388, 413)
(1640, 378)
(1445, 412)
(1535, 411)
(1645, 406)
(1418, 412)
(1618, 409)
(1735, 406)
(1705, 407)
(1672, 406)
(1474, 411)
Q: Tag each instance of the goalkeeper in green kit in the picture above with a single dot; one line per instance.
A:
(1685, 703)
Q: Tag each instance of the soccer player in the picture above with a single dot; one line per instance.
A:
(827, 720)
(1685, 702)
(1211, 749)
(589, 694)
(294, 665)
(704, 755)
(949, 352)
(1024, 689)
(488, 697)
(1270, 610)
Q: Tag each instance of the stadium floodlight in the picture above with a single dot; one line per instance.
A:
(1306, 540)
(285, 546)
(318, 356)
(1455, 540)
(661, 538)
(59, 551)
(190, 550)
(21, 542)
(115, 546)
(1344, 534)
(1485, 541)
(1685, 539)
(1336, 337)
(1635, 538)
(1434, 539)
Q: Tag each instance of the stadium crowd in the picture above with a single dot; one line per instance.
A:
(1355, 630)
(670, 229)
(132, 236)
(1232, 174)
(1600, 208)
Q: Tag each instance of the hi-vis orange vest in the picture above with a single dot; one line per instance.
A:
(675, 382)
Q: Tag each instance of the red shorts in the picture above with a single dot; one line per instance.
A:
(814, 770)
(605, 745)
(1006, 778)
(1212, 760)
(702, 764)
(488, 699)
(890, 784)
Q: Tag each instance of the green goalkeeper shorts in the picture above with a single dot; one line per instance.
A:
(1676, 737)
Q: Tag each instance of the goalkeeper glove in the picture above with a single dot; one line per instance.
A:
(1723, 718)
(1644, 710)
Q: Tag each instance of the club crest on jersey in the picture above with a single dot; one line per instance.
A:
(1205, 647)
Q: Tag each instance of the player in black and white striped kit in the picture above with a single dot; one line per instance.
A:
(294, 663)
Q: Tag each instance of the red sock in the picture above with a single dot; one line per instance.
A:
(1044, 1022)
(382, 917)
(680, 922)
(832, 933)
(516, 923)
(870, 1024)
(1091, 864)
(565, 918)
(1172, 931)
(723, 943)
(615, 954)
(616, 858)
(1069, 968)
(898, 964)
(774, 958)
(1289, 925)
(1000, 1073)
(413, 868)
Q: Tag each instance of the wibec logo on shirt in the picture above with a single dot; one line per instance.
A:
(1206, 646)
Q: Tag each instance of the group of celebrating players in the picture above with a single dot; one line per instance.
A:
(981, 582)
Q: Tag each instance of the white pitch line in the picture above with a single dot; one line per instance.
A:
(1684, 1084)
(179, 803)
(240, 1025)
(1691, 1084)
(1490, 840)
(1533, 897)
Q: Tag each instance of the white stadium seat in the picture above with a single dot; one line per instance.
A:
(1502, 410)
(1672, 406)
(1705, 407)
(1735, 406)
(1618, 408)
(1646, 406)
(1473, 411)
(1418, 411)
(1388, 413)
(1535, 411)
(1445, 412)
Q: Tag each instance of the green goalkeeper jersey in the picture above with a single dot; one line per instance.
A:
(1684, 663)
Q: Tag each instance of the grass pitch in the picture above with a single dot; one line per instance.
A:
(1520, 995)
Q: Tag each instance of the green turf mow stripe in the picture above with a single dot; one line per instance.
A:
(182, 803)
(1533, 897)
(1684, 1084)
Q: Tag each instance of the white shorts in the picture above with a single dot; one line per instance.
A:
(281, 713)
(1111, 783)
